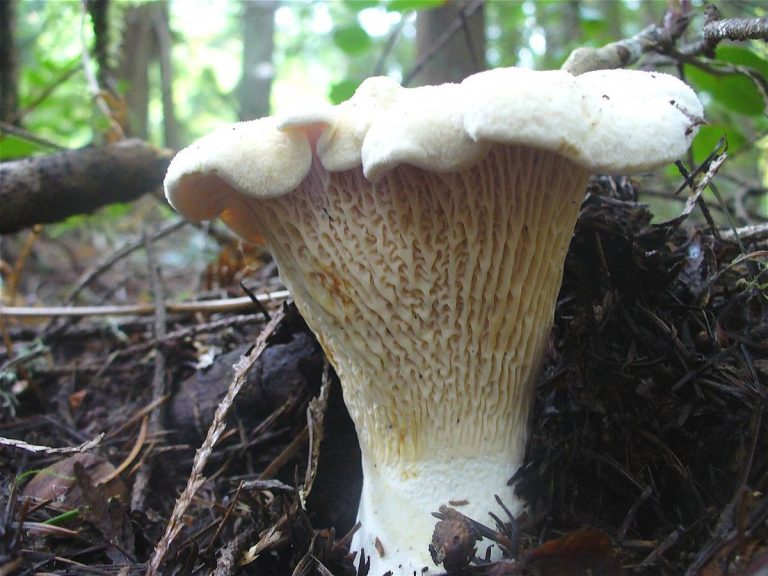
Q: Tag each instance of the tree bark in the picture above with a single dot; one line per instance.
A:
(45, 189)
(99, 11)
(165, 43)
(9, 69)
(258, 70)
(462, 55)
(139, 47)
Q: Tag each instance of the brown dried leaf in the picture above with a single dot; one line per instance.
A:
(57, 482)
(584, 552)
(107, 514)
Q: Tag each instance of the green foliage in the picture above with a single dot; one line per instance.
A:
(352, 40)
(709, 135)
(112, 212)
(408, 5)
(12, 147)
(357, 5)
(366, 37)
(735, 90)
(343, 90)
(53, 94)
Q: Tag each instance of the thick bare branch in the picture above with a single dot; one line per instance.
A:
(736, 29)
(45, 189)
(662, 38)
(627, 51)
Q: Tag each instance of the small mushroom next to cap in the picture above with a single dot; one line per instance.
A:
(422, 233)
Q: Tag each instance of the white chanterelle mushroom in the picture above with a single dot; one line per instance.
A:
(422, 233)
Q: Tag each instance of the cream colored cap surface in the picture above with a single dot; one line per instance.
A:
(614, 121)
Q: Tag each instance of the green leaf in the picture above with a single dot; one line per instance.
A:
(342, 91)
(709, 135)
(357, 5)
(352, 39)
(736, 92)
(12, 147)
(405, 5)
(742, 57)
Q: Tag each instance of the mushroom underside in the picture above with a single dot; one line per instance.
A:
(432, 295)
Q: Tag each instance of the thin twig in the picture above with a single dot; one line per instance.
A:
(6, 128)
(159, 383)
(21, 260)
(754, 233)
(229, 558)
(388, 47)
(444, 38)
(202, 306)
(184, 333)
(468, 38)
(316, 426)
(37, 449)
(218, 425)
(284, 456)
(73, 69)
(118, 255)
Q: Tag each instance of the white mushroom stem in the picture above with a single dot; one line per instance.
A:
(433, 296)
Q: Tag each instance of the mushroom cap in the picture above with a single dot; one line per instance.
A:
(612, 121)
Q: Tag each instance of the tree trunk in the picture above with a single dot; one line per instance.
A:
(165, 43)
(462, 55)
(612, 12)
(9, 70)
(45, 189)
(258, 70)
(99, 11)
(139, 47)
(563, 31)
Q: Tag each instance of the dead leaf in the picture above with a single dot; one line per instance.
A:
(108, 515)
(586, 552)
(57, 482)
(76, 399)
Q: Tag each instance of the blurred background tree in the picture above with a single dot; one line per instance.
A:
(78, 73)
(176, 69)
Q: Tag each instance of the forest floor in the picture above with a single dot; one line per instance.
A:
(648, 454)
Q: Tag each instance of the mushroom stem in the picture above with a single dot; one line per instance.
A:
(397, 503)
(433, 296)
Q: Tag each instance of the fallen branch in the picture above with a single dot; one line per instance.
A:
(46, 189)
(202, 306)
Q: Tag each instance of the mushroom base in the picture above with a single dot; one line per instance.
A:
(399, 542)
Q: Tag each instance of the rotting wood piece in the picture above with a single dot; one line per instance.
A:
(283, 369)
(46, 189)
